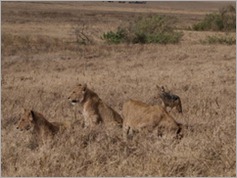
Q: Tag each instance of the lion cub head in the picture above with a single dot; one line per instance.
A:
(26, 120)
(78, 94)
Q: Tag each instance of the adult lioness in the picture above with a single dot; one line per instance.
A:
(42, 129)
(138, 116)
(94, 111)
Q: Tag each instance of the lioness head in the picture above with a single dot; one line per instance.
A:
(26, 120)
(78, 94)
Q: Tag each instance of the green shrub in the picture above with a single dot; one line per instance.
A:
(115, 37)
(161, 38)
(224, 20)
(151, 29)
(229, 40)
(211, 22)
(228, 15)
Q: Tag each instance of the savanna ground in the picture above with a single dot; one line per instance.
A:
(41, 63)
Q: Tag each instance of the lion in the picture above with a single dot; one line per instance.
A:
(139, 116)
(94, 111)
(169, 99)
(40, 127)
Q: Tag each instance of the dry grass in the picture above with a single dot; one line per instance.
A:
(42, 77)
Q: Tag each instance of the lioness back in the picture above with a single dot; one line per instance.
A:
(107, 113)
(139, 115)
(62, 125)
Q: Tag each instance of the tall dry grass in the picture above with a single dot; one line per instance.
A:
(44, 82)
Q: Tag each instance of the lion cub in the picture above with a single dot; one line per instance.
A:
(138, 116)
(169, 99)
(94, 111)
(41, 129)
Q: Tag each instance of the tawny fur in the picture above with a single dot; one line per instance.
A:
(42, 129)
(94, 110)
(138, 115)
(169, 99)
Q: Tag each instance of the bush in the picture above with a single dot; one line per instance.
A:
(228, 15)
(224, 20)
(115, 37)
(229, 40)
(81, 34)
(152, 29)
(211, 22)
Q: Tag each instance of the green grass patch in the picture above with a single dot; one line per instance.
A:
(115, 37)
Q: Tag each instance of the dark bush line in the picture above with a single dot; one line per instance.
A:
(224, 20)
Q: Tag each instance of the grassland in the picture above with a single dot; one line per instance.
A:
(41, 63)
